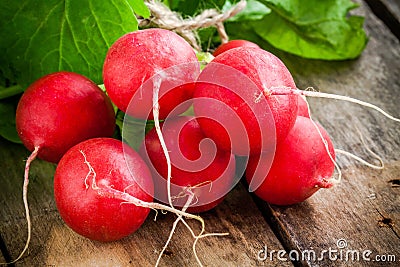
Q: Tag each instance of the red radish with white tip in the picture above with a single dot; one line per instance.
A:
(103, 190)
(86, 180)
(300, 167)
(57, 112)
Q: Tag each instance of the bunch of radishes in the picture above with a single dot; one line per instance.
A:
(245, 105)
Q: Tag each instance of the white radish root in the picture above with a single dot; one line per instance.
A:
(312, 93)
(308, 93)
(156, 107)
(29, 160)
(107, 191)
(362, 161)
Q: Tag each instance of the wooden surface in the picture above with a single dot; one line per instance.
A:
(389, 12)
(54, 244)
(363, 210)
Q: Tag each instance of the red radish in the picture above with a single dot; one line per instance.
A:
(136, 57)
(303, 109)
(60, 110)
(103, 191)
(234, 92)
(57, 112)
(197, 165)
(233, 44)
(300, 167)
(89, 211)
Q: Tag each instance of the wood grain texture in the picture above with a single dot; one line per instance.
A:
(54, 244)
(364, 209)
(394, 6)
(2, 258)
(389, 12)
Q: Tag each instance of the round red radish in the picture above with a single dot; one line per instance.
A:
(233, 44)
(90, 211)
(303, 107)
(300, 167)
(136, 57)
(233, 92)
(60, 110)
(197, 165)
(57, 112)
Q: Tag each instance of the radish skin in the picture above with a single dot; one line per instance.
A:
(233, 44)
(48, 129)
(233, 107)
(87, 208)
(196, 164)
(301, 165)
(136, 57)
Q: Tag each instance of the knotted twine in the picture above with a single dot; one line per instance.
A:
(163, 17)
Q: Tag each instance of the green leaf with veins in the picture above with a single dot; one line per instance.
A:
(40, 37)
(313, 29)
(140, 8)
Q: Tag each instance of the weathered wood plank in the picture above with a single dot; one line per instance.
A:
(394, 6)
(54, 244)
(364, 214)
(355, 210)
(389, 12)
(2, 258)
(4, 255)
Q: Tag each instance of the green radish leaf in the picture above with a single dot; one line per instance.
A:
(254, 10)
(313, 29)
(194, 7)
(7, 122)
(40, 37)
(132, 130)
(184, 7)
(140, 8)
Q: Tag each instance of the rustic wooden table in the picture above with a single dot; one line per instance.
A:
(358, 217)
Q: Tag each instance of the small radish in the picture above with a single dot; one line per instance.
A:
(136, 57)
(87, 169)
(233, 44)
(103, 190)
(234, 92)
(60, 110)
(303, 109)
(198, 167)
(301, 165)
(57, 112)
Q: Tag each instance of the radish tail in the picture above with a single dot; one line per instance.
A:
(25, 200)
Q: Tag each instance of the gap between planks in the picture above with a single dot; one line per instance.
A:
(389, 12)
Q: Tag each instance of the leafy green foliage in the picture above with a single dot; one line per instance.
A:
(40, 37)
(139, 8)
(313, 29)
(132, 130)
(254, 10)
(7, 122)
(193, 7)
